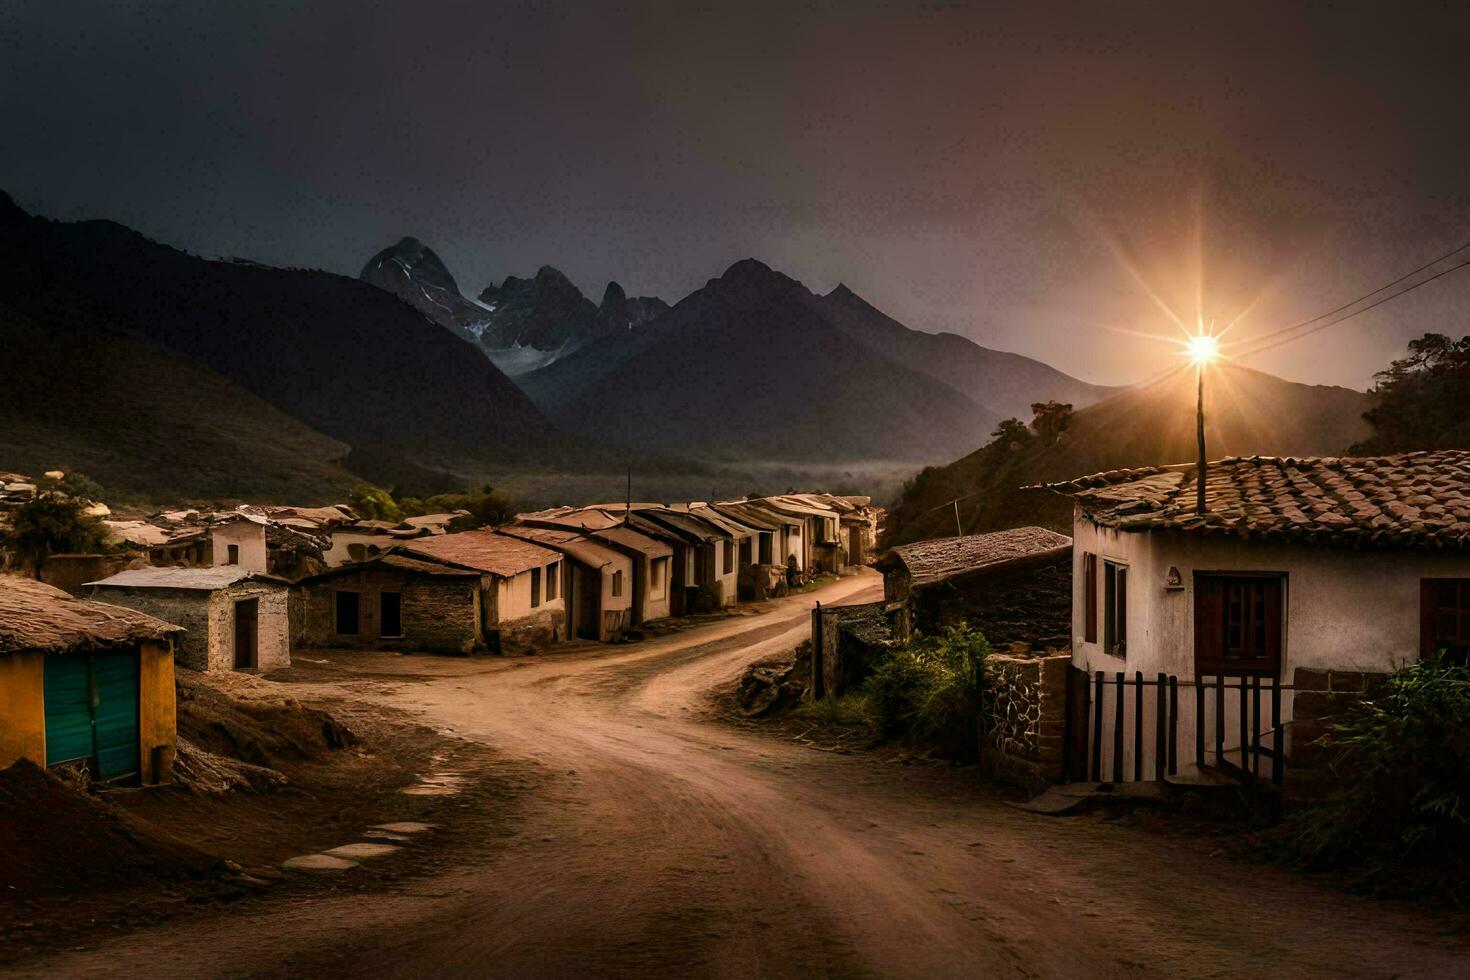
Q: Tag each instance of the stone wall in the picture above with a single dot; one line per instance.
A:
(1321, 697)
(188, 608)
(847, 641)
(439, 613)
(272, 631)
(1024, 713)
(1016, 605)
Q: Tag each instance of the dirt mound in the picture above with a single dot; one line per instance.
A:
(245, 718)
(56, 839)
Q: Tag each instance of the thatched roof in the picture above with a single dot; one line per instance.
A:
(35, 616)
(945, 558)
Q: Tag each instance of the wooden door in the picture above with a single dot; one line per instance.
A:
(247, 631)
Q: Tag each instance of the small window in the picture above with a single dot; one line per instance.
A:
(729, 557)
(1115, 608)
(535, 587)
(390, 620)
(232, 553)
(552, 572)
(347, 610)
(617, 584)
(1444, 617)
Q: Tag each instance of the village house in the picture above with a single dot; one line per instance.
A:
(788, 541)
(85, 683)
(819, 537)
(453, 593)
(235, 619)
(1015, 586)
(229, 539)
(652, 557)
(1302, 583)
(710, 577)
(596, 586)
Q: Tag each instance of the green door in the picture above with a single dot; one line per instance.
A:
(92, 712)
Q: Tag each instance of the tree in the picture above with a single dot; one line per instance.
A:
(1050, 420)
(1011, 434)
(1421, 399)
(54, 523)
(374, 503)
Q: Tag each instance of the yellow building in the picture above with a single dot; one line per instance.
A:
(85, 683)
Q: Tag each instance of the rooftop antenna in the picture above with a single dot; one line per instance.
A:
(628, 511)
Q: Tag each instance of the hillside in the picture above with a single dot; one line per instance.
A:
(1247, 412)
(1005, 383)
(748, 366)
(338, 355)
(149, 424)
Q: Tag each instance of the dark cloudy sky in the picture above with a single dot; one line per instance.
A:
(989, 169)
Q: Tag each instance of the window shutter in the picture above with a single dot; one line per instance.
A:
(1209, 620)
(1089, 600)
(1274, 599)
(1122, 627)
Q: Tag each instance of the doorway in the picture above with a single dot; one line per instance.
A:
(347, 609)
(390, 614)
(588, 601)
(247, 634)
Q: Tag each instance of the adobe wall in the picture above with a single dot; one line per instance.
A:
(22, 708)
(273, 637)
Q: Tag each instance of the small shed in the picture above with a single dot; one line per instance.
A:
(236, 619)
(1013, 585)
(392, 602)
(84, 682)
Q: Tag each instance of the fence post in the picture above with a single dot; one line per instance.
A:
(1199, 721)
(1245, 741)
(1255, 726)
(1097, 708)
(1278, 757)
(1161, 715)
(1118, 713)
(1173, 724)
(1219, 718)
(818, 667)
(1138, 726)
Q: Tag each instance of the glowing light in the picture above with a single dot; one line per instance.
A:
(1203, 348)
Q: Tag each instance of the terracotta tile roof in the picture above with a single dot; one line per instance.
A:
(628, 538)
(571, 544)
(1416, 499)
(483, 550)
(945, 558)
(35, 616)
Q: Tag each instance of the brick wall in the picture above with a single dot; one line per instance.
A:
(1025, 710)
(438, 613)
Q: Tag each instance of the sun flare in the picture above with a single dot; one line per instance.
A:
(1203, 348)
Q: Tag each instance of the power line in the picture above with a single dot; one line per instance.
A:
(1347, 306)
(1330, 323)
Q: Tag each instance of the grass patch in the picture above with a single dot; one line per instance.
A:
(843, 711)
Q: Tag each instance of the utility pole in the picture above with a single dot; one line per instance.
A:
(1199, 432)
(628, 511)
(959, 531)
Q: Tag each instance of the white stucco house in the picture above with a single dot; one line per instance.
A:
(1314, 575)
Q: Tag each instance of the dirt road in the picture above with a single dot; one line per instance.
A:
(671, 844)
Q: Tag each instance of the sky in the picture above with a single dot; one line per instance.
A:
(1058, 180)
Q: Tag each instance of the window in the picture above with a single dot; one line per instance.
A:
(729, 557)
(617, 584)
(765, 550)
(658, 570)
(233, 554)
(1237, 624)
(1115, 608)
(347, 606)
(1089, 597)
(390, 619)
(745, 552)
(1444, 617)
(553, 571)
(535, 587)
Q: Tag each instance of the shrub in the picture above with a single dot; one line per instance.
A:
(53, 523)
(929, 692)
(1404, 774)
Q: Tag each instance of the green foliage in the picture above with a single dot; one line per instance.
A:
(929, 692)
(843, 711)
(54, 523)
(1010, 435)
(1403, 810)
(1422, 398)
(71, 484)
(374, 504)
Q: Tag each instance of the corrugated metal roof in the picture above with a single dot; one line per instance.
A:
(750, 517)
(205, 579)
(685, 521)
(629, 538)
(36, 616)
(481, 549)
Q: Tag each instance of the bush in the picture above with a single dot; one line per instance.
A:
(929, 692)
(1404, 773)
(53, 523)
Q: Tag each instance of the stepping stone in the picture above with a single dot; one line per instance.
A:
(317, 862)
(361, 851)
(404, 827)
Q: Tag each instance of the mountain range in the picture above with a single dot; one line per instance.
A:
(753, 364)
(343, 363)
(1247, 412)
